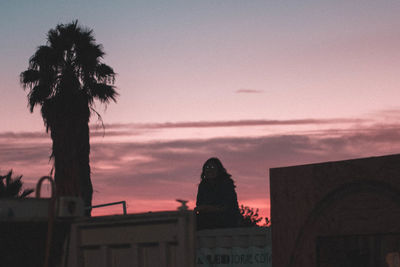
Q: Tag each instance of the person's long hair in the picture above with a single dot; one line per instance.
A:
(221, 171)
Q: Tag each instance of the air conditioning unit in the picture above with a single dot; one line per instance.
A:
(68, 207)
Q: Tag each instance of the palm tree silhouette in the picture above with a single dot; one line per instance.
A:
(11, 187)
(65, 77)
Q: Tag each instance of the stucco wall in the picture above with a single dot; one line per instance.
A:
(344, 198)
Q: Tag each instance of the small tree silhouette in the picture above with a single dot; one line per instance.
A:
(11, 187)
(250, 216)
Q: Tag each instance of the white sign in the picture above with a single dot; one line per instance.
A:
(234, 257)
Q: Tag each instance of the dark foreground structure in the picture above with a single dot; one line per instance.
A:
(344, 213)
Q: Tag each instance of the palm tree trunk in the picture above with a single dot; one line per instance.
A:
(84, 168)
(71, 149)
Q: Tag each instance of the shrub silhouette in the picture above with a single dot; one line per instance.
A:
(11, 187)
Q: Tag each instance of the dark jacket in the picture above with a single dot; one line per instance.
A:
(221, 193)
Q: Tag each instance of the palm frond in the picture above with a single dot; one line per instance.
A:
(38, 94)
(43, 59)
(53, 38)
(88, 56)
(29, 77)
(67, 33)
(2, 186)
(86, 37)
(104, 92)
(105, 73)
(14, 187)
(26, 193)
(8, 178)
(48, 114)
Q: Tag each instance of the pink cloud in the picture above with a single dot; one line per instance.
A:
(151, 175)
(248, 91)
(209, 124)
(28, 135)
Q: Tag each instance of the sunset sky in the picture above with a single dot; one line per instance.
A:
(259, 84)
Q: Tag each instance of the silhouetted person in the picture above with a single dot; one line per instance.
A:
(216, 205)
